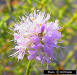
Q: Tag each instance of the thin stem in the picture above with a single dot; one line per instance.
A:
(71, 20)
(9, 5)
(47, 66)
(28, 68)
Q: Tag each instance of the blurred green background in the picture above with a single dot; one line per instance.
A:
(63, 10)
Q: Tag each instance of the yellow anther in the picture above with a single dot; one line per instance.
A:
(33, 19)
(40, 24)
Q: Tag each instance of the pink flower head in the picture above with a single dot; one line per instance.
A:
(36, 36)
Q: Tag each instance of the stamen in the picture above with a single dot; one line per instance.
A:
(33, 19)
(40, 24)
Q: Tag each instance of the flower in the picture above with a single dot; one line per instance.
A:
(37, 37)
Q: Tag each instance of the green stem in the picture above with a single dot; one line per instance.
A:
(71, 20)
(9, 5)
(28, 68)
